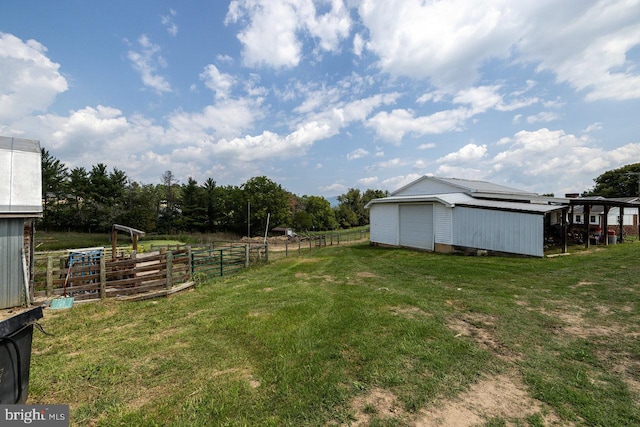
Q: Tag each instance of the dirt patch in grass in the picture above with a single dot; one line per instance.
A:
(576, 325)
(376, 404)
(630, 372)
(496, 397)
(365, 274)
(480, 328)
(408, 311)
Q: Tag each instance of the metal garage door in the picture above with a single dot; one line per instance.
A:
(416, 226)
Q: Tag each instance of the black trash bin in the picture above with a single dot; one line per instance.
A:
(16, 333)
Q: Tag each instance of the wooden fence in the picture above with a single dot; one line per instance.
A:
(163, 271)
(120, 278)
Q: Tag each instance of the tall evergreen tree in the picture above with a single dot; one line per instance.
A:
(78, 199)
(214, 202)
(54, 187)
(169, 215)
(194, 207)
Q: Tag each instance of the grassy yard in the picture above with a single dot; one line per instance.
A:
(357, 335)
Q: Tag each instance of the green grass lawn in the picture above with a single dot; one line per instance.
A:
(364, 336)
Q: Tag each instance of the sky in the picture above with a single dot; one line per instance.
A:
(323, 96)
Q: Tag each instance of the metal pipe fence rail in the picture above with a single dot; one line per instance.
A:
(208, 261)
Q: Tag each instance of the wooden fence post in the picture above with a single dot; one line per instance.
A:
(49, 276)
(169, 267)
(299, 245)
(286, 247)
(266, 251)
(103, 278)
(246, 255)
(189, 263)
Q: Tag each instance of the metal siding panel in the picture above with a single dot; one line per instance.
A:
(443, 220)
(383, 219)
(416, 226)
(510, 232)
(11, 276)
(20, 176)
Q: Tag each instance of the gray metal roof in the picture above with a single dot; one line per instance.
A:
(474, 186)
(461, 199)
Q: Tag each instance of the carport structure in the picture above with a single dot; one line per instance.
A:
(588, 204)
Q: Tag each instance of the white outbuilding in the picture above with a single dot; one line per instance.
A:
(20, 206)
(449, 214)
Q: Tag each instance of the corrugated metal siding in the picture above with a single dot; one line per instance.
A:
(511, 232)
(11, 276)
(416, 226)
(384, 223)
(443, 224)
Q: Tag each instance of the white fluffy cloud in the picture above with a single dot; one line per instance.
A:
(30, 80)
(167, 21)
(357, 154)
(219, 83)
(468, 153)
(585, 44)
(395, 125)
(272, 36)
(543, 160)
(445, 41)
(146, 61)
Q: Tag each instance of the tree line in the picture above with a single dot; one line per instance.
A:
(92, 200)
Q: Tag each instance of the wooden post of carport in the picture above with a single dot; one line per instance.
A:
(587, 220)
(564, 229)
(605, 225)
(621, 222)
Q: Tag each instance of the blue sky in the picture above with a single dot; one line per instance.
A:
(323, 96)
